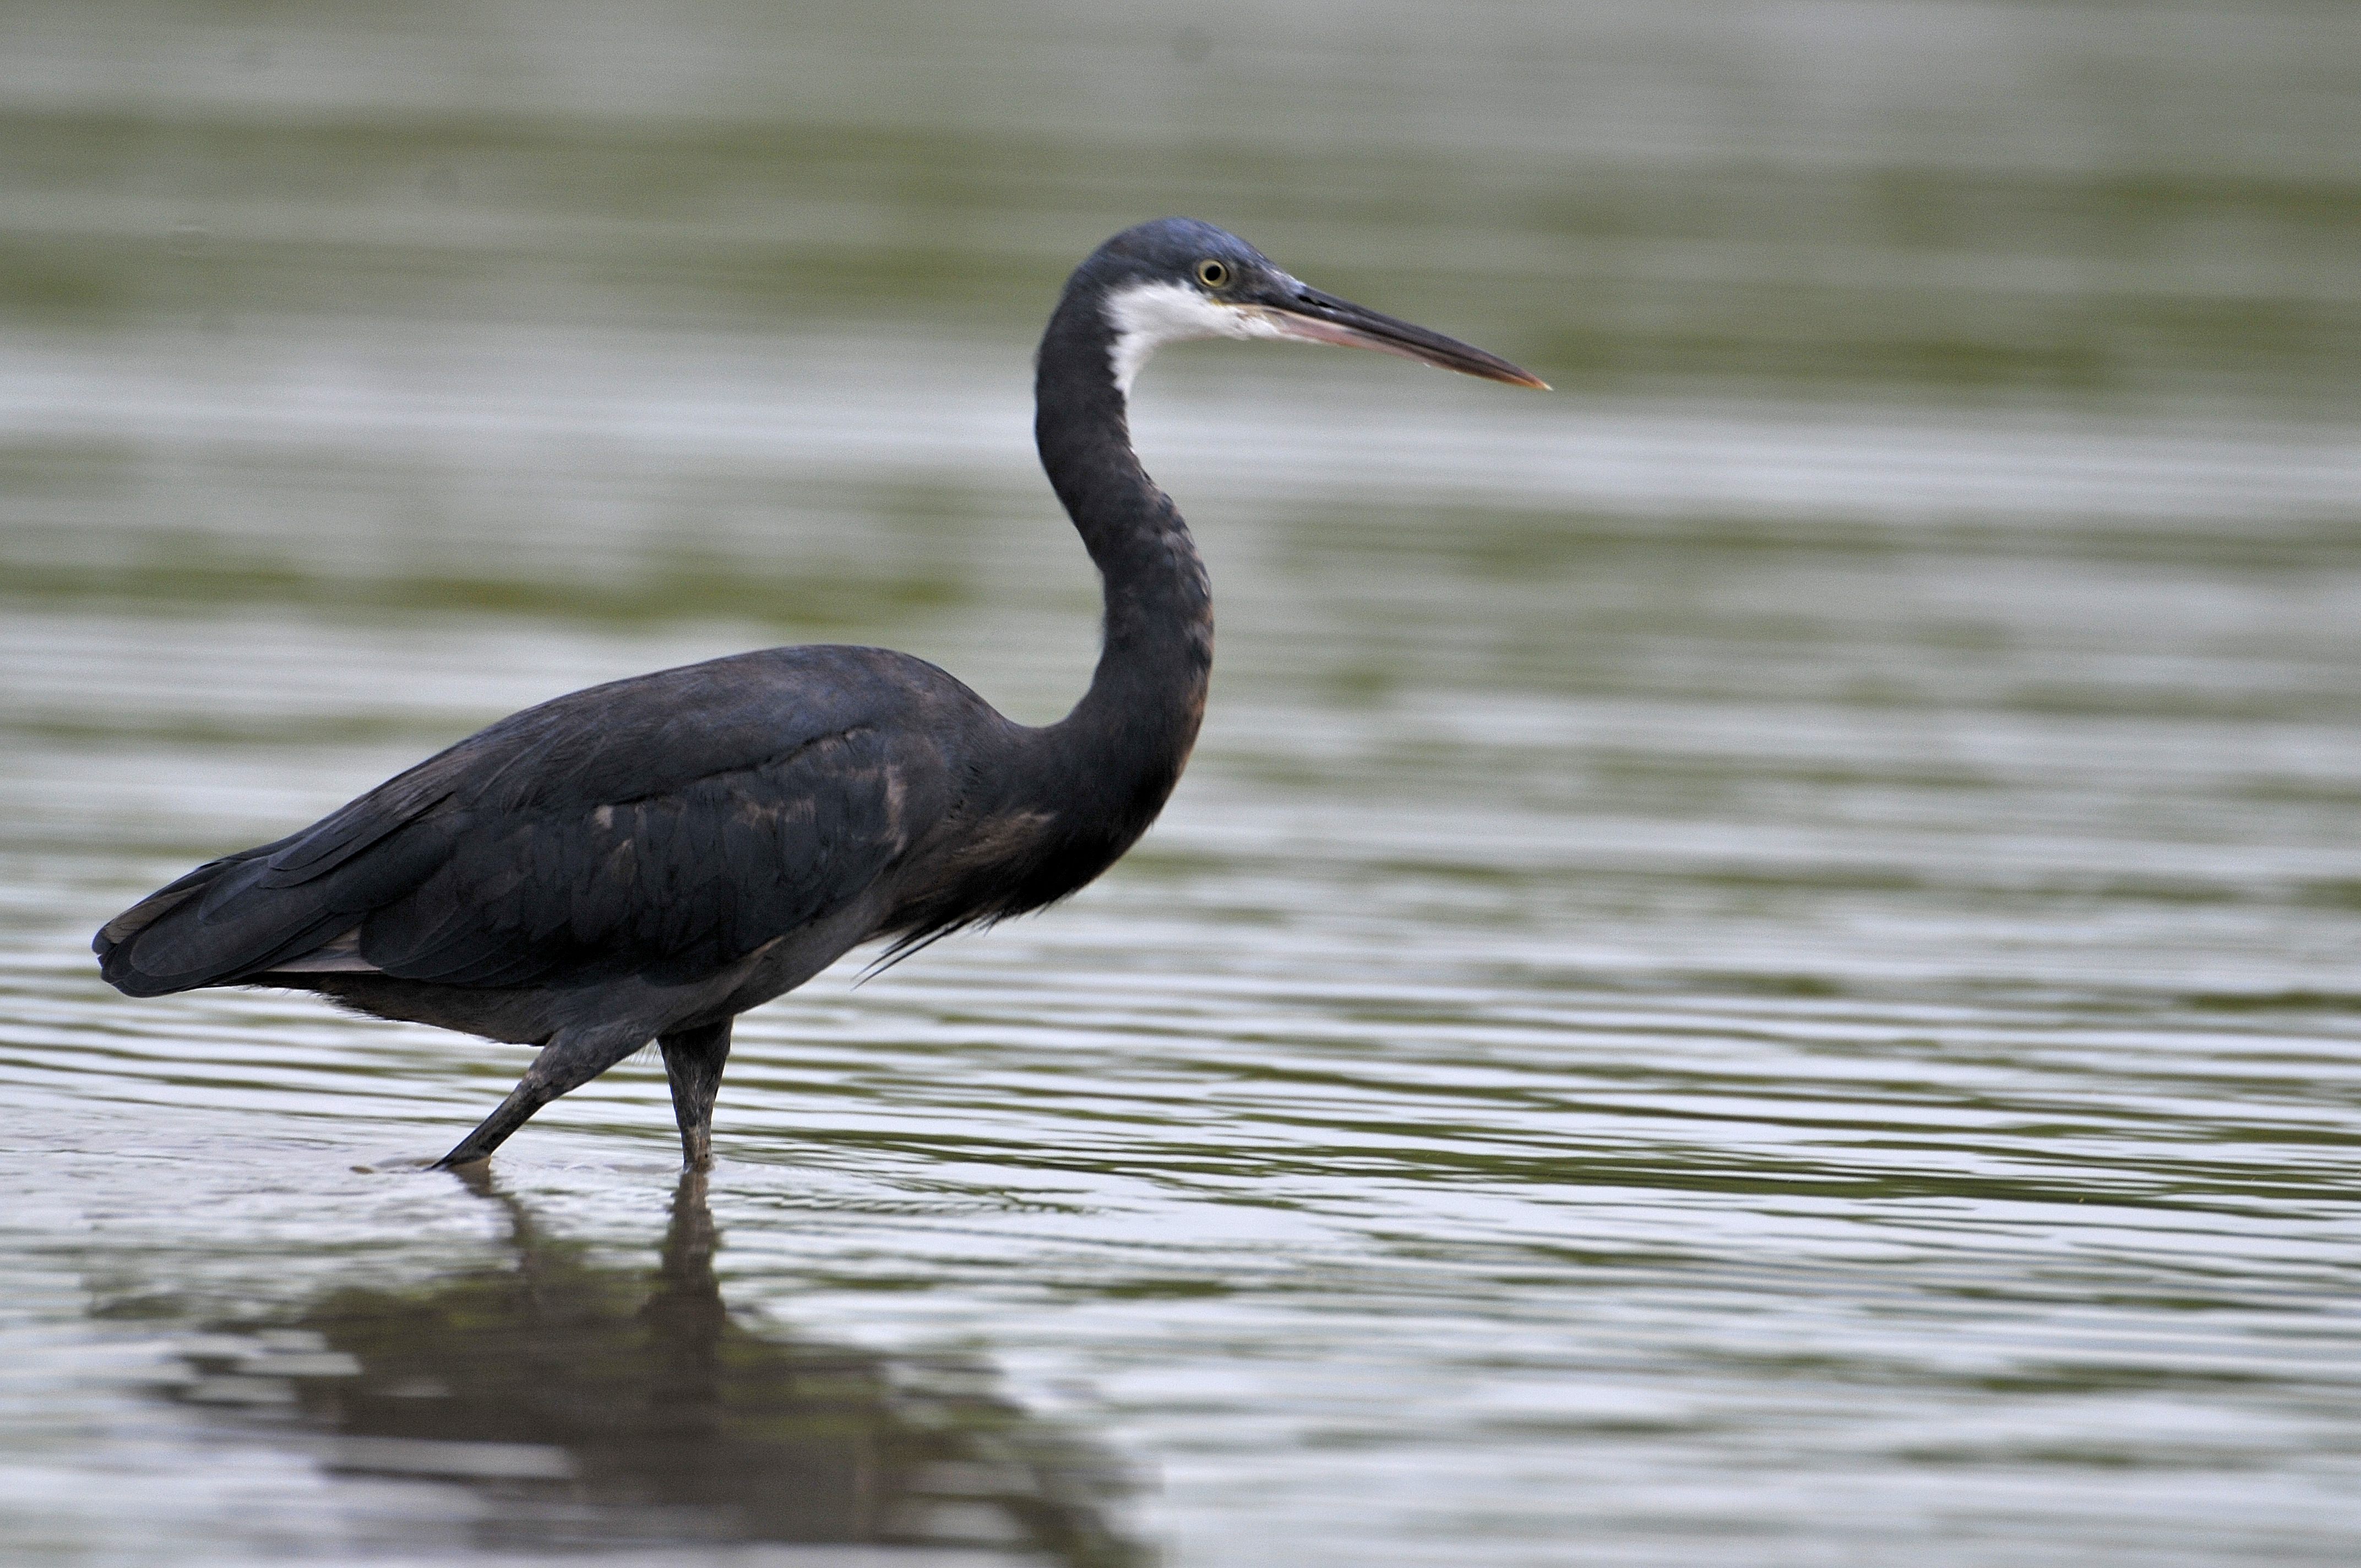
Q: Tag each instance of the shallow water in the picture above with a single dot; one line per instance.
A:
(1761, 960)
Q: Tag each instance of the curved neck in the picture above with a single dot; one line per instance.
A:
(1132, 730)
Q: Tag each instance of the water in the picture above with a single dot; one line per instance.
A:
(1761, 960)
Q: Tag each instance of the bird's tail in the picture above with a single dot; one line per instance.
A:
(220, 923)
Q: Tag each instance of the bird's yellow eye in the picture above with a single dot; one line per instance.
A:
(1213, 274)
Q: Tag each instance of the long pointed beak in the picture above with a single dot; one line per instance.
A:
(1307, 315)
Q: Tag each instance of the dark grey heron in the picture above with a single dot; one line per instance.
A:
(648, 859)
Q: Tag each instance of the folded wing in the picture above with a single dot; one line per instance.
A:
(663, 827)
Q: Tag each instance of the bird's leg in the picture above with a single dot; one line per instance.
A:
(566, 1063)
(692, 1061)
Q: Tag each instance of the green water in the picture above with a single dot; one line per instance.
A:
(1761, 961)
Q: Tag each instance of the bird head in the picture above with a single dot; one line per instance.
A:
(1176, 278)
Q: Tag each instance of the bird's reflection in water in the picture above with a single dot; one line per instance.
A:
(595, 1407)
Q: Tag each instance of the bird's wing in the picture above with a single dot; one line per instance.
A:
(672, 885)
(663, 825)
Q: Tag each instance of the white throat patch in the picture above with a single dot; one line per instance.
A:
(1145, 316)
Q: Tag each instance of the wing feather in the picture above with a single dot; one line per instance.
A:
(669, 885)
(664, 827)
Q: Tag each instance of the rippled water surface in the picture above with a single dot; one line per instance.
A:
(1761, 961)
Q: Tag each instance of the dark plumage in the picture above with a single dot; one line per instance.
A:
(648, 859)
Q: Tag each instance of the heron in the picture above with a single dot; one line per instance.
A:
(648, 859)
